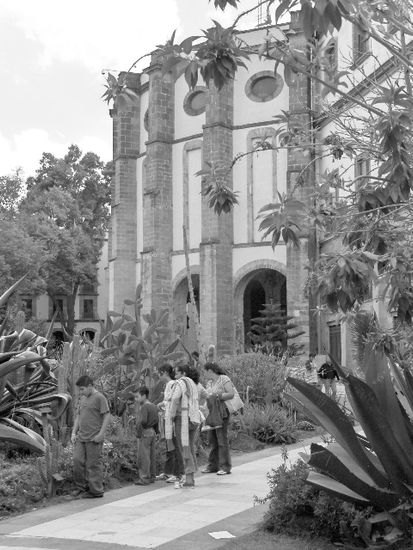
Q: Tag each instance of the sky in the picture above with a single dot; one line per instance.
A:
(52, 54)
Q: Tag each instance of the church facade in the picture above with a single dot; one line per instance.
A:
(160, 141)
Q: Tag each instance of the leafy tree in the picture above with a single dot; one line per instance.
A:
(65, 213)
(372, 222)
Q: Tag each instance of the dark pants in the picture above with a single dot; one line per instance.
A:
(88, 466)
(219, 454)
(174, 464)
(189, 462)
(146, 456)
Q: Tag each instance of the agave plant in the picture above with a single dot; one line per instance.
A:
(22, 403)
(372, 466)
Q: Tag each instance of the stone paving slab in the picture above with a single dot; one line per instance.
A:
(163, 518)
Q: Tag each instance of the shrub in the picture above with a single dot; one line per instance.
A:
(269, 424)
(296, 508)
(258, 376)
(20, 484)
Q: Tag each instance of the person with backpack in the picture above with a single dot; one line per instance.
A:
(328, 377)
(146, 429)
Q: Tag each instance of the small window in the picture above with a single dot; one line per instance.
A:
(195, 101)
(264, 86)
(331, 59)
(361, 46)
(88, 309)
(146, 120)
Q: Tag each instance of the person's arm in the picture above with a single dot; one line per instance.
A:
(175, 399)
(228, 392)
(105, 423)
(75, 428)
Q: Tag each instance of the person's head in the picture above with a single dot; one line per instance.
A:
(142, 395)
(311, 356)
(166, 372)
(85, 385)
(181, 370)
(211, 353)
(213, 370)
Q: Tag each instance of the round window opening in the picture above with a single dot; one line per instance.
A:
(264, 86)
(195, 102)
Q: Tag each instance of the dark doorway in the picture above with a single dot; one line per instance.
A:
(254, 299)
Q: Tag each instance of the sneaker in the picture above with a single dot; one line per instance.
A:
(77, 492)
(174, 479)
(162, 477)
(92, 495)
(223, 473)
(141, 482)
(178, 484)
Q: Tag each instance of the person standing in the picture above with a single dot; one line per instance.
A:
(221, 388)
(174, 465)
(329, 376)
(91, 422)
(146, 428)
(185, 420)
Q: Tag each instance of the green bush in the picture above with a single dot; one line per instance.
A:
(258, 376)
(269, 424)
(296, 508)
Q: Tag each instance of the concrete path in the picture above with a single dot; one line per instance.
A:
(156, 517)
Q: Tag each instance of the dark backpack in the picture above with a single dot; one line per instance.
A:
(327, 372)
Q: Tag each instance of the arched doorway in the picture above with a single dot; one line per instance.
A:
(182, 312)
(253, 291)
(88, 334)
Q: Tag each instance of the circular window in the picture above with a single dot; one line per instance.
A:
(264, 86)
(195, 101)
(146, 120)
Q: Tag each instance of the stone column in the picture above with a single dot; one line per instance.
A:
(157, 193)
(216, 280)
(123, 226)
(298, 259)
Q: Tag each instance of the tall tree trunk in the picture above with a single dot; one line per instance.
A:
(71, 302)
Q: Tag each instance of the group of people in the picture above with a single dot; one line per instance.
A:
(324, 376)
(176, 415)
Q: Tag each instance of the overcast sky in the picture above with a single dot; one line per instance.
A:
(52, 53)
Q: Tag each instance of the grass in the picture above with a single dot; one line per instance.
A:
(263, 540)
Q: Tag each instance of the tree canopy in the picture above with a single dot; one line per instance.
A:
(59, 226)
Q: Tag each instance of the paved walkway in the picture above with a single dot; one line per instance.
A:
(156, 517)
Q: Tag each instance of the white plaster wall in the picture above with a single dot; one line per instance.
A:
(247, 111)
(139, 205)
(177, 195)
(194, 197)
(245, 255)
(178, 262)
(143, 136)
(185, 125)
(42, 307)
(262, 167)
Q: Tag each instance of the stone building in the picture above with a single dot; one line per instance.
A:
(160, 141)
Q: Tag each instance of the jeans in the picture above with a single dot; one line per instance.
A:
(219, 454)
(146, 456)
(190, 462)
(88, 466)
(330, 387)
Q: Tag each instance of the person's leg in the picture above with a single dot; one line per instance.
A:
(94, 467)
(190, 462)
(333, 387)
(213, 458)
(144, 459)
(327, 385)
(225, 464)
(79, 466)
(179, 453)
(152, 452)
(169, 468)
